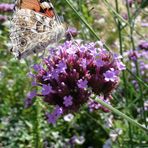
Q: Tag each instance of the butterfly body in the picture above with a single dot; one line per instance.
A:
(34, 26)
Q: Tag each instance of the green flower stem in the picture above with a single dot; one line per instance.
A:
(125, 82)
(132, 121)
(131, 22)
(84, 21)
(119, 17)
(98, 38)
(114, 12)
(37, 121)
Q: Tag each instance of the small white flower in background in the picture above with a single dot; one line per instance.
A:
(10, 84)
(22, 61)
(108, 143)
(68, 117)
(114, 30)
(55, 134)
(100, 43)
(79, 140)
(101, 21)
(7, 23)
(1, 75)
(76, 140)
(115, 133)
(146, 105)
(109, 121)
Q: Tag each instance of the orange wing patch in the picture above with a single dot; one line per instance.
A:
(31, 4)
(44, 9)
(49, 13)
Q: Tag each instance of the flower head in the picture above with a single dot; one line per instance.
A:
(5, 7)
(71, 32)
(74, 72)
(142, 58)
(143, 45)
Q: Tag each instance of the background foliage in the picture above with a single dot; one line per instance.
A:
(21, 127)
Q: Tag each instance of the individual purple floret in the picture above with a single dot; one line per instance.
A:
(133, 55)
(69, 76)
(143, 45)
(5, 7)
(110, 75)
(67, 101)
(46, 89)
(28, 100)
(52, 117)
(82, 83)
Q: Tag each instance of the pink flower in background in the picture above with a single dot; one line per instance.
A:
(5, 7)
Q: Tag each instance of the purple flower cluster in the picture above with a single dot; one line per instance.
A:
(71, 32)
(3, 18)
(142, 58)
(133, 55)
(5, 7)
(94, 105)
(130, 2)
(143, 45)
(68, 77)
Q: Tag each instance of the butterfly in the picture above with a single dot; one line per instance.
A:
(34, 26)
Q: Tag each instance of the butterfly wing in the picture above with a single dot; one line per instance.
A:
(32, 32)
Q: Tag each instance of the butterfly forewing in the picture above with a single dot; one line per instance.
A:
(32, 31)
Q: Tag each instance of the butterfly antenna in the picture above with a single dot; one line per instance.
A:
(56, 15)
(73, 40)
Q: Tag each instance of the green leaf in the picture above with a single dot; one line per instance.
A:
(144, 3)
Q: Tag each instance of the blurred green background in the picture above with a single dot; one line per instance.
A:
(18, 126)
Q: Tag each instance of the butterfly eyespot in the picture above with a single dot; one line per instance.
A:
(22, 23)
(44, 18)
(51, 23)
(22, 29)
(23, 42)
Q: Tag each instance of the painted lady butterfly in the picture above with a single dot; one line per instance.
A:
(34, 26)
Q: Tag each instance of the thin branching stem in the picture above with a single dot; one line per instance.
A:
(37, 121)
(117, 112)
(123, 73)
(131, 22)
